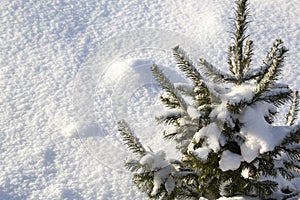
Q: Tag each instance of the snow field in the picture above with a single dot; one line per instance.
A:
(58, 112)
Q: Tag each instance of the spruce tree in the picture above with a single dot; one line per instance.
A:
(229, 143)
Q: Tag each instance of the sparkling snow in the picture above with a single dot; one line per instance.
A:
(70, 69)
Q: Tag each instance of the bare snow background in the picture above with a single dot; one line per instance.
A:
(62, 58)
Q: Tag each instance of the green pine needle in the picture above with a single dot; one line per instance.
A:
(294, 110)
(188, 68)
(169, 87)
(131, 141)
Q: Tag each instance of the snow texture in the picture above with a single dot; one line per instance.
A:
(70, 69)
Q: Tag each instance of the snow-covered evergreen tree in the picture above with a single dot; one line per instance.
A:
(227, 137)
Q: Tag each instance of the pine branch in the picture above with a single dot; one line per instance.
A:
(182, 135)
(237, 63)
(175, 100)
(289, 146)
(231, 60)
(268, 79)
(203, 95)
(294, 110)
(293, 137)
(251, 187)
(277, 96)
(293, 154)
(202, 102)
(259, 73)
(143, 181)
(131, 141)
(132, 165)
(292, 166)
(287, 174)
(168, 86)
(277, 51)
(215, 74)
(261, 188)
(236, 107)
(171, 117)
(185, 89)
(264, 165)
(186, 66)
(248, 53)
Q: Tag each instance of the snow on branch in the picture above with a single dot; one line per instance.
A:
(277, 96)
(248, 53)
(294, 110)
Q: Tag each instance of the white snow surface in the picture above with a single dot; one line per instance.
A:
(260, 136)
(156, 162)
(70, 69)
(212, 133)
(230, 161)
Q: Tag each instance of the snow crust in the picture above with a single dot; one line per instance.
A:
(64, 68)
